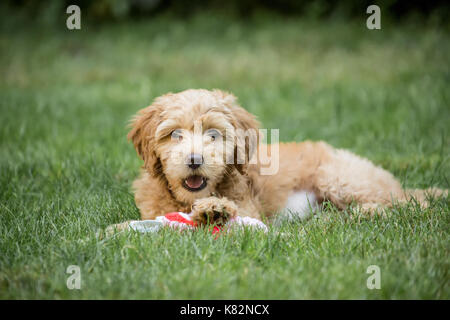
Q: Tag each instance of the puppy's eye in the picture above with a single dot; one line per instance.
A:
(176, 135)
(214, 134)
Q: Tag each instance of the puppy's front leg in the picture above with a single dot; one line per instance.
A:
(213, 210)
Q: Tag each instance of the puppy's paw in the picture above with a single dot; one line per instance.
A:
(114, 228)
(213, 210)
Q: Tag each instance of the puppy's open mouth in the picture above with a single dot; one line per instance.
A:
(194, 183)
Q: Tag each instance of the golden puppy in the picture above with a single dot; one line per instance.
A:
(202, 153)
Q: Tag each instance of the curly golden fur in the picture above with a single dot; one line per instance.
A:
(223, 189)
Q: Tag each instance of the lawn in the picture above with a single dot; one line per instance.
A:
(66, 167)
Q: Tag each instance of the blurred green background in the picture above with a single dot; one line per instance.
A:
(312, 70)
(107, 10)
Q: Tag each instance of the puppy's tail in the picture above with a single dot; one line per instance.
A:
(423, 196)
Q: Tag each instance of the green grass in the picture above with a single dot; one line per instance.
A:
(66, 167)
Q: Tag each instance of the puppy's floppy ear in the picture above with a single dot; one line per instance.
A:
(142, 134)
(246, 126)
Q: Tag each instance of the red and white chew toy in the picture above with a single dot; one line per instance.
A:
(181, 220)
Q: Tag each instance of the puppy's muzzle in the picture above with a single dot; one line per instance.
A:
(194, 161)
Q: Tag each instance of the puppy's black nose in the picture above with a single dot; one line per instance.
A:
(195, 160)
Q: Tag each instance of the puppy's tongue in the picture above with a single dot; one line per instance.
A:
(194, 182)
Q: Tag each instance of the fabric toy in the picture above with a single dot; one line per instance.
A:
(181, 220)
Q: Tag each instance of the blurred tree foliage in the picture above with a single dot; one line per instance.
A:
(103, 10)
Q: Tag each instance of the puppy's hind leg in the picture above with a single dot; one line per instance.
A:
(346, 178)
(422, 196)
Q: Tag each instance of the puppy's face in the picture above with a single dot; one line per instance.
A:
(191, 140)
